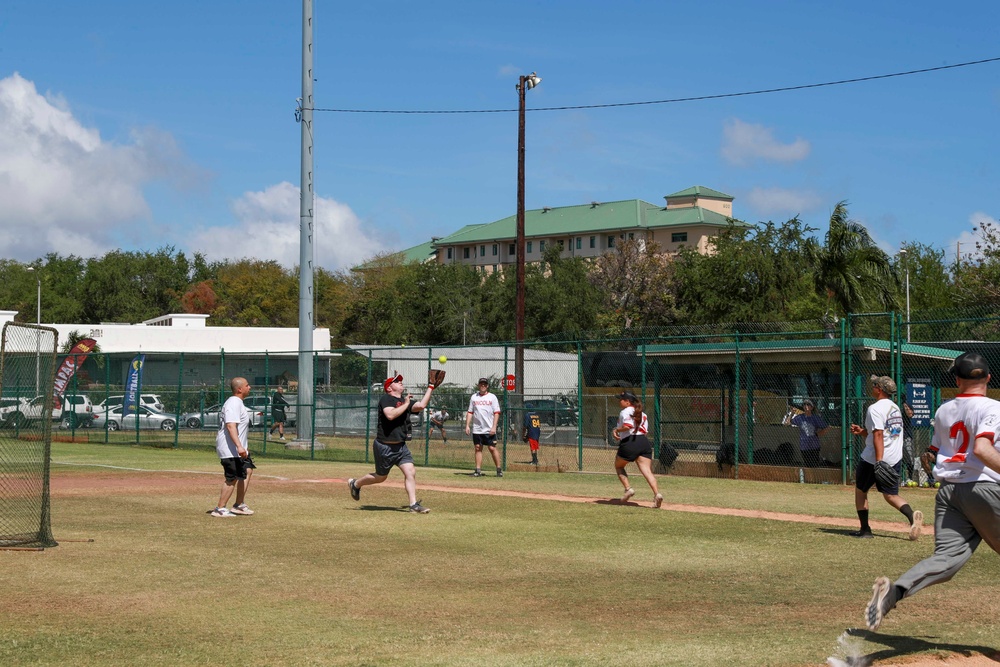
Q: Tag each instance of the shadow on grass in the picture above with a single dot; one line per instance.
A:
(898, 646)
(380, 508)
(847, 532)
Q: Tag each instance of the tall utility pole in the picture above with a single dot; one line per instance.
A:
(524, 84)
(304, 114)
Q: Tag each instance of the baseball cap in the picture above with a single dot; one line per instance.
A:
(485, 381)
(970, 366)
(628, 396)
(389, 380)
(885, 383)
(809, 402)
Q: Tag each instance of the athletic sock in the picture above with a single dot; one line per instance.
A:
(863, 517)
(907, 511)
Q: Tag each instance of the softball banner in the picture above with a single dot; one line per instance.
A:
(133, 385)
(67, 369)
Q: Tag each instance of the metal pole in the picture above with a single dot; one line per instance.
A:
(520, 242)
(907, 298)
(304, 431)
(38, 353)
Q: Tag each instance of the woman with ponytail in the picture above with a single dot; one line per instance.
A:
(634, 446)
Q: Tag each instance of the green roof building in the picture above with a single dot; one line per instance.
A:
(690, 217)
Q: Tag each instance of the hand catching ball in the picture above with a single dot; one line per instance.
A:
(443, 359)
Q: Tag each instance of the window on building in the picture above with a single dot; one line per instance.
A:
(482, 251)
(631, 236)
(611, 241)
(560, 243)
(529, 248)
(465, 253)
(593, 241)
(511, 250)
(494, 268)
(496, 249)
(541, 246)
(449, 253)
(679, 237)
(579, 242)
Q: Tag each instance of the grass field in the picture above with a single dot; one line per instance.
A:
(317, 579)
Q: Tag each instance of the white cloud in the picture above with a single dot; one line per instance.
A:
(268, 228)
(781, 201)
(965, 243)
(64, 183)
(744, 143)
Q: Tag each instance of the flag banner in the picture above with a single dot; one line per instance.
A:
(67, 370)
(133, 385)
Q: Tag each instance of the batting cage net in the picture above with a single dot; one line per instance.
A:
(27, 355)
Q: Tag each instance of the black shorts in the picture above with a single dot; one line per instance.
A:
(864, 478)
(634, 446)
(235, 468)
(484, 439)
(278, 416)
(387, 456)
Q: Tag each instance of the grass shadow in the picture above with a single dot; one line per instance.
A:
(846, 532)
(898, 646)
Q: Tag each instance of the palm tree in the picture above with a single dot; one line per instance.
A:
(851, 270)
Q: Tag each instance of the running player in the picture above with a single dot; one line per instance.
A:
(967, 507)
(632, 428)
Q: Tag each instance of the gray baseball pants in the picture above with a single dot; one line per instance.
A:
(964, 516)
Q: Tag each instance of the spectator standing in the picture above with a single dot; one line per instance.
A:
(883, 433)
(278, 405)
(967, 508)
(532, 432)
(231, 446)
(811, 426)
(481, 422)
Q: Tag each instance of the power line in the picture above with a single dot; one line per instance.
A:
(676, 99)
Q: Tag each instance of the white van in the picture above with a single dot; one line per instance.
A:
(151, 401)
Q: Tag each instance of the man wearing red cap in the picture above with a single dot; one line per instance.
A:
(389, 446)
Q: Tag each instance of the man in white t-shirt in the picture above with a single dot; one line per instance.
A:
(481, 422)
(967, 507)
(231, 446)
(883, 431)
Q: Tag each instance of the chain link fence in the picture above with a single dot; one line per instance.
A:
(725, 401)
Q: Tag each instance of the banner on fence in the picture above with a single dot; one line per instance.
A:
(133, 383)
(67, 370)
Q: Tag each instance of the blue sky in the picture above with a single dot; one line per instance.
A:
(138, 125)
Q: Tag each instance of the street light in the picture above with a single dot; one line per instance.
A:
(524, 84)
(38, 334)
(906, 264)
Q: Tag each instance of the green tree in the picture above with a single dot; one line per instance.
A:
(755, 273)
(636, 282)
(255, 293)
(560, 300)
(851, 271)
(126, 286)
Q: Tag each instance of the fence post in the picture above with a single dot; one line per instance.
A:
(180, 397)
(735, 406)
(426, 421)
(312, 411)
(368, 409)
(267, 392)
(579, 404)
(506, 416)
(845, 375)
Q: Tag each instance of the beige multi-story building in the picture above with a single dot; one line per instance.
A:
(690, 217)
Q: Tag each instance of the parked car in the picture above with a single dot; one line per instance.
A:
(209, 417)
(112, 419)
(553, 413)
(263, 405)
(151, 401)
(33, 411)
(77, 410)
(10, 407)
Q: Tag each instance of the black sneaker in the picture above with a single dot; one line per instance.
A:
(499, 472)
(863, 534)
(418, 508)
(477, 473)
(355, 491)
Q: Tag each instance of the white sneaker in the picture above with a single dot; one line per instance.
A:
(629, 492)
(916, 526)
(658, 500)
(281, 438)
(241, 509)
(221, 511)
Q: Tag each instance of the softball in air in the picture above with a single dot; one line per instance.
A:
(443, 359)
